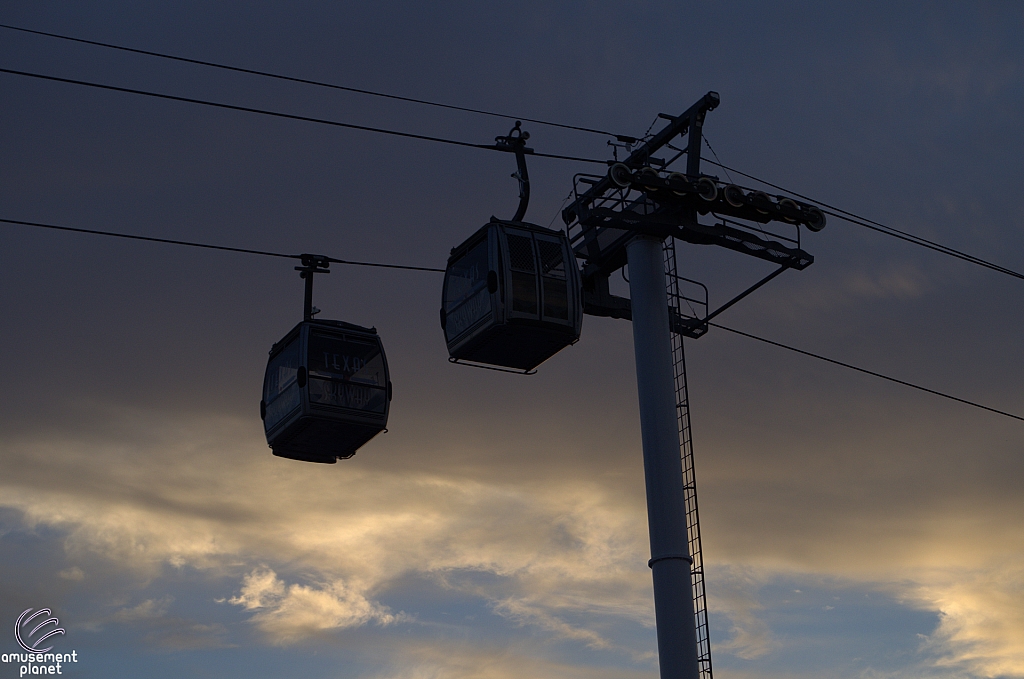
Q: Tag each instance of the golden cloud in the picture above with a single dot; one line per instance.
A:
(209, 495)
(291, 613)
(220, 505)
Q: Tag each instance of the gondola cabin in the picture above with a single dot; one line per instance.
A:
(511, 296)
(326, 391)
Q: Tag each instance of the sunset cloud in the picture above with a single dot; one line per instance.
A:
(852, 527)
(292, 613)
(571, 552)
(981, 618)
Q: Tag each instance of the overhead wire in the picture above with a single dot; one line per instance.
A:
(333, 260)
(712, 149)
(865, 371)
(208, 246)
(830, 210)
(316, 83)
(292, 116)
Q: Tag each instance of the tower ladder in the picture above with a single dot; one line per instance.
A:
(678, 303)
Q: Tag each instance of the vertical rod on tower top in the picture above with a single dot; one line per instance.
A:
(670, 559)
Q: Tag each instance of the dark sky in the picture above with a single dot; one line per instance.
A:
(852, 527)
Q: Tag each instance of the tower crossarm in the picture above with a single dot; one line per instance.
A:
(623, 224)
(678, 125)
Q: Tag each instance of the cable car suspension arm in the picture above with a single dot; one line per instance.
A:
(311, 264)
(515, 142)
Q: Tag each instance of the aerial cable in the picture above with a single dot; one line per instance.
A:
(830, 209)
(719, 163)
(838, 212)
(317, 83)
(917, 240)
(780, 345)
(866, 371)
(208, 246)
(292, 116)
(877, 226)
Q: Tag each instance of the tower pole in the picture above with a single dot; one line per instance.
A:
(670, 559)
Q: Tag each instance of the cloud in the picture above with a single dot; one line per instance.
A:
(980, 614)
(849, 291)
(735, 597)
(75, 574)
(901, 282)
(149, 609)
(573, 548)
(311, 550)
(259, 589)
(528, 612)
(981, 621)
(290, 613)
(163, 631)
(453, 659)
(531, 486)
(176, 634)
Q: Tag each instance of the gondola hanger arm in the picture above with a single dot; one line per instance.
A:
(311, 264)
(515, 142)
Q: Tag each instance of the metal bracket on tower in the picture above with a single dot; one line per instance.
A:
(598, 301)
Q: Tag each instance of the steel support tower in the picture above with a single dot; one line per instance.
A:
(666, 515)
(632, 216)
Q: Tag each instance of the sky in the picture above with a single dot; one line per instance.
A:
(852, 528)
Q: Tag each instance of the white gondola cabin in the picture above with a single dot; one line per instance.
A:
(326, 391)
(511, 296)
